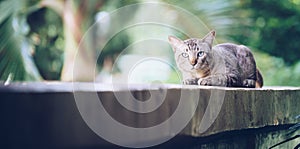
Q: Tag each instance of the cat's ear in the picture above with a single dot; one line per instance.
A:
(209, 38)
(175, 42)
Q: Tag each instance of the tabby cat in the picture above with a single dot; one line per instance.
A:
(225, 64)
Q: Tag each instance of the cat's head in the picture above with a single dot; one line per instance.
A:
(193, 54)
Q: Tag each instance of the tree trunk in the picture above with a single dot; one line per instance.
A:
(79, 62)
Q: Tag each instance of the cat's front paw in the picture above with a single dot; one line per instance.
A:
(190, 81)
(205, 81)
(217, 80)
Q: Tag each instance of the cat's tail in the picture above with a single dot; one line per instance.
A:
(259, 79)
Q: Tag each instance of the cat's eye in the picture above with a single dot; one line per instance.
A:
(200, 54)
(185, 55)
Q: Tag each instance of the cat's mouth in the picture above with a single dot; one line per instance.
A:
(198, 67)
(195, 67)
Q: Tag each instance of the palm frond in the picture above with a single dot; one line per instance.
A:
(16, 62)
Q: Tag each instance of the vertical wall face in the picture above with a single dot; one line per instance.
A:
(38, 115)
(250, 108)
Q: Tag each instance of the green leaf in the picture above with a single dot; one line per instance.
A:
(16, 61)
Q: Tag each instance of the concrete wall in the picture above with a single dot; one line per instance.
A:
(46, 115)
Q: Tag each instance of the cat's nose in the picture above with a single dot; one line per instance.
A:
(193, 62)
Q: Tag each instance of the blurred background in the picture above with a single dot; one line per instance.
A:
(39, 39)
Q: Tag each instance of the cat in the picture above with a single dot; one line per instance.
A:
(225, 64)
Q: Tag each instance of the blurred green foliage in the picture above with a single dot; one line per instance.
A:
(273, 32)
(274, 28)
(113, 48)
(47, 36)
(32, 38)
(116, 44)
(276, 72)
(15, 47)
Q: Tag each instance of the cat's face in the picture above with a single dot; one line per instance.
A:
(193, 54)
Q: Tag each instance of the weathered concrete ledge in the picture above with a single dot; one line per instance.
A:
(39, 114)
